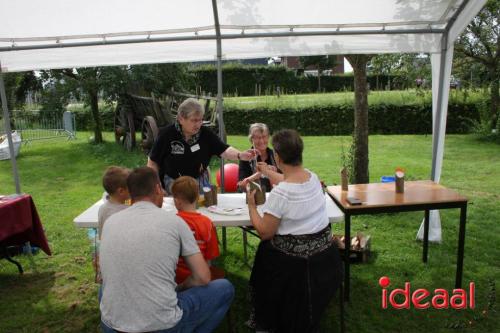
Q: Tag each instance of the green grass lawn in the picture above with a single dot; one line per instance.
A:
(59, 295)
(298, 101)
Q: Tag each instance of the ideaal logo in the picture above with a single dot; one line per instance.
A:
(440, 299)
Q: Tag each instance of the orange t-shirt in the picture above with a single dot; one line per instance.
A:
(205, 235)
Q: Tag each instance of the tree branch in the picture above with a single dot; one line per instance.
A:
(69, 73)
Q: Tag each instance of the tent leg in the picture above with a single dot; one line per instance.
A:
(8, 131)
(222, 133)
(220, 117)
(441, 71)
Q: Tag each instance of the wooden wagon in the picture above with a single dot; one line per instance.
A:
(151, 114)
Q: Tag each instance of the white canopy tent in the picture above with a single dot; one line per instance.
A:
(53, 34)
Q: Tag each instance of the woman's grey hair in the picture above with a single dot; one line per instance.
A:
(257, 127)
(190, 106)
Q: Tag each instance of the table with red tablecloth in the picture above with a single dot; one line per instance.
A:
(20, 223)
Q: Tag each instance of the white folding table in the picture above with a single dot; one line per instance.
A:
(88, 219)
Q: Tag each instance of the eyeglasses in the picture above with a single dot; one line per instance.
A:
(260, 137)
(195, 120)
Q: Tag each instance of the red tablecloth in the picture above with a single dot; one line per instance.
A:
(19, 223)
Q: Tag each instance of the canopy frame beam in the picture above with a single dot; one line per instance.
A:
(219, 36)
(196, 30)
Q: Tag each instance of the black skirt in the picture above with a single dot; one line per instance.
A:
(293, 280)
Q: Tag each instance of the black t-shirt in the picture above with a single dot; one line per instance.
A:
(175, 157)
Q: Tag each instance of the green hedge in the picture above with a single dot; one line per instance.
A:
(339, 119)
(240, 80)
(328, 119)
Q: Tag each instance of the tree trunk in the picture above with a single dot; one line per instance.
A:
(360, 136)
(319, 81)
(494, 98)
(94, 107)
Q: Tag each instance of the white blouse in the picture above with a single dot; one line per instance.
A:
(301, 207)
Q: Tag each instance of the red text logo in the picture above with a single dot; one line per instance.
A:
(422, 298)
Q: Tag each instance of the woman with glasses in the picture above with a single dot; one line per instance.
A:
(258, 135)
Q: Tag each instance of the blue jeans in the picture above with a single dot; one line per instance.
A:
(203, 308)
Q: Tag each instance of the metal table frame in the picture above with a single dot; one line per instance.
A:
(426, 207)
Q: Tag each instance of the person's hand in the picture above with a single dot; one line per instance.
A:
(249, 154)
(272, 168)
(243, 184)
(251, 197)
(263, 167)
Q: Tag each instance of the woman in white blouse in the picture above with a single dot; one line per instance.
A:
(297, 267)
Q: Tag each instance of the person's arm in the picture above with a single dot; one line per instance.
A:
(232, 153)
(267, 225)
(152, 164)
(243, 183)
(200, 272)
(270, 172)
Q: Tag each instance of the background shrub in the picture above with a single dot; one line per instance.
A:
(338, 119)
(241, 80)
(333, 114)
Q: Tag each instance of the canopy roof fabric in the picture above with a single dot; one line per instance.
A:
(70, 33)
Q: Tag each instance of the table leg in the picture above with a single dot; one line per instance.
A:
(426, 236)
(347, 242)
(9, 258)
(461, 243)
(224, 240)
(245, 240)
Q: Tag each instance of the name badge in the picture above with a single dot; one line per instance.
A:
(194, 148)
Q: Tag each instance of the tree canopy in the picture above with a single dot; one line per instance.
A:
(480, 43)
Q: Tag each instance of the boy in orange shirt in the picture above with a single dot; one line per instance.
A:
(185, 191)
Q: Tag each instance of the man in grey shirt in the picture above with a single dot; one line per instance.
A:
(139, 251)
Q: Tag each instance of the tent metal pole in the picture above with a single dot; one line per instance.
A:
(8, 130)
(225, 36)
(219, 87)
(222, 133)
(439, 106)
(438, 133)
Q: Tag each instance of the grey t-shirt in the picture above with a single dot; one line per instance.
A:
(106, 210)
(140, 247)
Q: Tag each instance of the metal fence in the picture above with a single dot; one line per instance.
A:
(42, 125)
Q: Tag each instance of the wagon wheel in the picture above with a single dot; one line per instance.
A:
(124, 128)
(129, 139)
(149, 133)
(120, 125)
